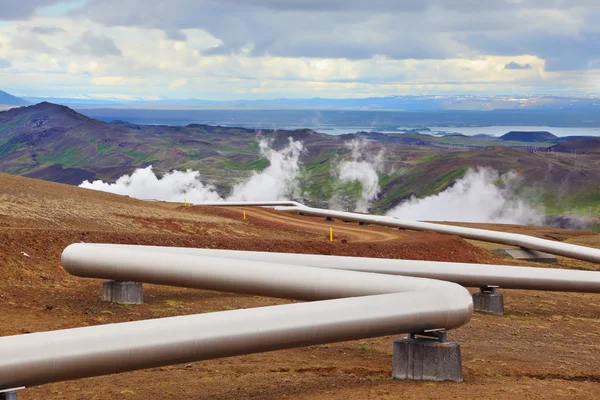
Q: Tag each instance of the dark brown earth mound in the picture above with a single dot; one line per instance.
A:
(528, 136)
(580, 146)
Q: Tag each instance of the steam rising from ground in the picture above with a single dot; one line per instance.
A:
(276, 182)
(173, 186)
(474, 198)
(363, 167)
(482, 195)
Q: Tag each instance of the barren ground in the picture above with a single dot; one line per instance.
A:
(545, 346)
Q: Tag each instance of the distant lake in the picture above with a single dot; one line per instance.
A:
(337, 122)
(501, 130)
(468, 131)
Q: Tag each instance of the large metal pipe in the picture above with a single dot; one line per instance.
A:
(465, 274)
(131, 263)
(514, 239)
(390, 305)
(270, 203)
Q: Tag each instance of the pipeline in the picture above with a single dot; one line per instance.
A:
(350, 305)
(514, 239)
(269, 203)
(464, 274)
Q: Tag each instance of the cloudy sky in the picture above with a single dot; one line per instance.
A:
(234, 49)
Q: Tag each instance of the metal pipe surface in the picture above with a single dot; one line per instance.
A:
(373, 305)
(230, 275)
(270, 203)
(465, 274)
(38, 358)
(514, 239)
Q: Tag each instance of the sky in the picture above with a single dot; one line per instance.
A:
(264, 49)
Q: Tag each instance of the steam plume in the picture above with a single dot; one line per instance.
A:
(363, 167)
(276, 182)
(474, 198)
(173, 186)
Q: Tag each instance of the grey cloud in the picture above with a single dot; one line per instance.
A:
(359, 29)
(332, 5)
(100, 46)
(516, 65)
(561, 53)
(176, 35)
(47, 30)
(341, 6)
(30, 42)
(22, 9)
(5, 63)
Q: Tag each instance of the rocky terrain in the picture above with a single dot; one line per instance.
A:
(545, 345)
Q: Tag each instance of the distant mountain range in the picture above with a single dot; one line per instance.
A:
(397, 103)
(56, 143)
(10, 100)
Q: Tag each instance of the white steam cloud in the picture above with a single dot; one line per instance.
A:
(144, 184)
(363, 167)
(474, 198)
(276, 182)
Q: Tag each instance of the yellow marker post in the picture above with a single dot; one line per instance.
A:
(244, 215)
(185, 202)
(331, 234)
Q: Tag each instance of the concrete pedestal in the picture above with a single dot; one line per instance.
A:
(527, 255)
(123, 292)
(328, 219)
(488, 301)
(8, 396)
(426, 359)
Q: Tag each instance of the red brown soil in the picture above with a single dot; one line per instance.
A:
(545, 346)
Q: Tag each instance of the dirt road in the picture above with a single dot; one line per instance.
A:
(321, 227)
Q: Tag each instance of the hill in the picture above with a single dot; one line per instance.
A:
(58, 144)
(527, 136)
(10, 100)
(579, 145)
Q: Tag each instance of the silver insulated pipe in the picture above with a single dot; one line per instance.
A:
(465, 274)
(268, 203)
(514, 239)
(350, 305)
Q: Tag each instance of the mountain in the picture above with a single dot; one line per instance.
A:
(528, 136)
(10, 100)
(55, 143)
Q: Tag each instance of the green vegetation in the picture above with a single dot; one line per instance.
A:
(256, 165)
(64, 156)
(445, 180)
